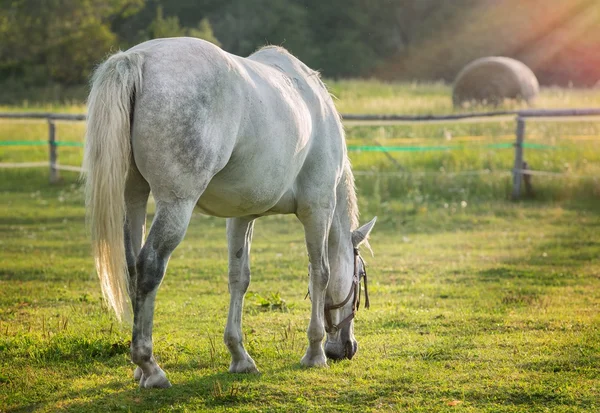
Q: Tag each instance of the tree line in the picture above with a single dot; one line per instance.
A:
(60, 41)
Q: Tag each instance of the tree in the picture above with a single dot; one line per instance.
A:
(204, 31)
(351, 35)
(245, 25)
(169, 27)
(57, 39)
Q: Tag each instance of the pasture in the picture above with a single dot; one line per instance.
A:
(478, 304)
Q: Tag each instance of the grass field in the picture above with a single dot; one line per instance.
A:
(478, 304)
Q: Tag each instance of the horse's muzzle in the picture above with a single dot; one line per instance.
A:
(341, 350)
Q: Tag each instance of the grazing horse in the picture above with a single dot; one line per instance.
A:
(237, 138)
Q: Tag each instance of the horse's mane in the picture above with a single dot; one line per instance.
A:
(348, 182)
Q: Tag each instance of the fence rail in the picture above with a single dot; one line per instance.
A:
(520, 172)
(43, 115)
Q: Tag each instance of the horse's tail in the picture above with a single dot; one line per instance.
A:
(106, 162)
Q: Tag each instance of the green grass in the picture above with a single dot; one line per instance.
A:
(474, 299)
(493, 304)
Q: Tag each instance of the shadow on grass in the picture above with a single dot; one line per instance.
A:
(28, 180)
(101, 388)
(570, 243)
(582, 366)
(35, 221)
(219, 389)
(529, 399)
(523, 276)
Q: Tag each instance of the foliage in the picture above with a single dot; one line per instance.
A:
(204, 31)
(56, 39)
(244, 26)
(170, 27)
(59, 41)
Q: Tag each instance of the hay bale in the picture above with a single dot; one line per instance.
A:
(491, 80)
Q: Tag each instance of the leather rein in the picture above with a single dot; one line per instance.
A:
(355, 291)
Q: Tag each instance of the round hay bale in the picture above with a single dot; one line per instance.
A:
(491, 80)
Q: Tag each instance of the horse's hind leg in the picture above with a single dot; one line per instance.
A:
(137, 191)
(239, 237)
(168, 229)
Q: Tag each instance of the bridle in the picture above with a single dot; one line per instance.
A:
(354, 290)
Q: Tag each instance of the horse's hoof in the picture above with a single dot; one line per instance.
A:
(137, 374)
(243, 366)
(157, 380)
(318, 361)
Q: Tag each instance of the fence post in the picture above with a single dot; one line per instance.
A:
(517, 175)
(54, 175)
(527, 181)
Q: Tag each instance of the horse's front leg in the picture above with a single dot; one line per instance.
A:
(316, 228)
(239, 238)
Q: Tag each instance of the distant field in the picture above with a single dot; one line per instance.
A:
(373, 96)
(563, 147)
(478, 304)
(424, 98)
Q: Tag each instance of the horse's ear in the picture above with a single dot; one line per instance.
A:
(361, 234)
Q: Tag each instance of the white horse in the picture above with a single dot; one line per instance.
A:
(237, 138)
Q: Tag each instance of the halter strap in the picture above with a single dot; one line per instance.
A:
(354, 289)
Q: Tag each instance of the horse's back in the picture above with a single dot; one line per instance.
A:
(244, 125)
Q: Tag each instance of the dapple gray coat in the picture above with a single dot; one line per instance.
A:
(237, 138)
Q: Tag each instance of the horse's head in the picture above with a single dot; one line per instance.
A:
(343, 296)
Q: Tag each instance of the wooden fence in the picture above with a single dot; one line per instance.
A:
(520, 171)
